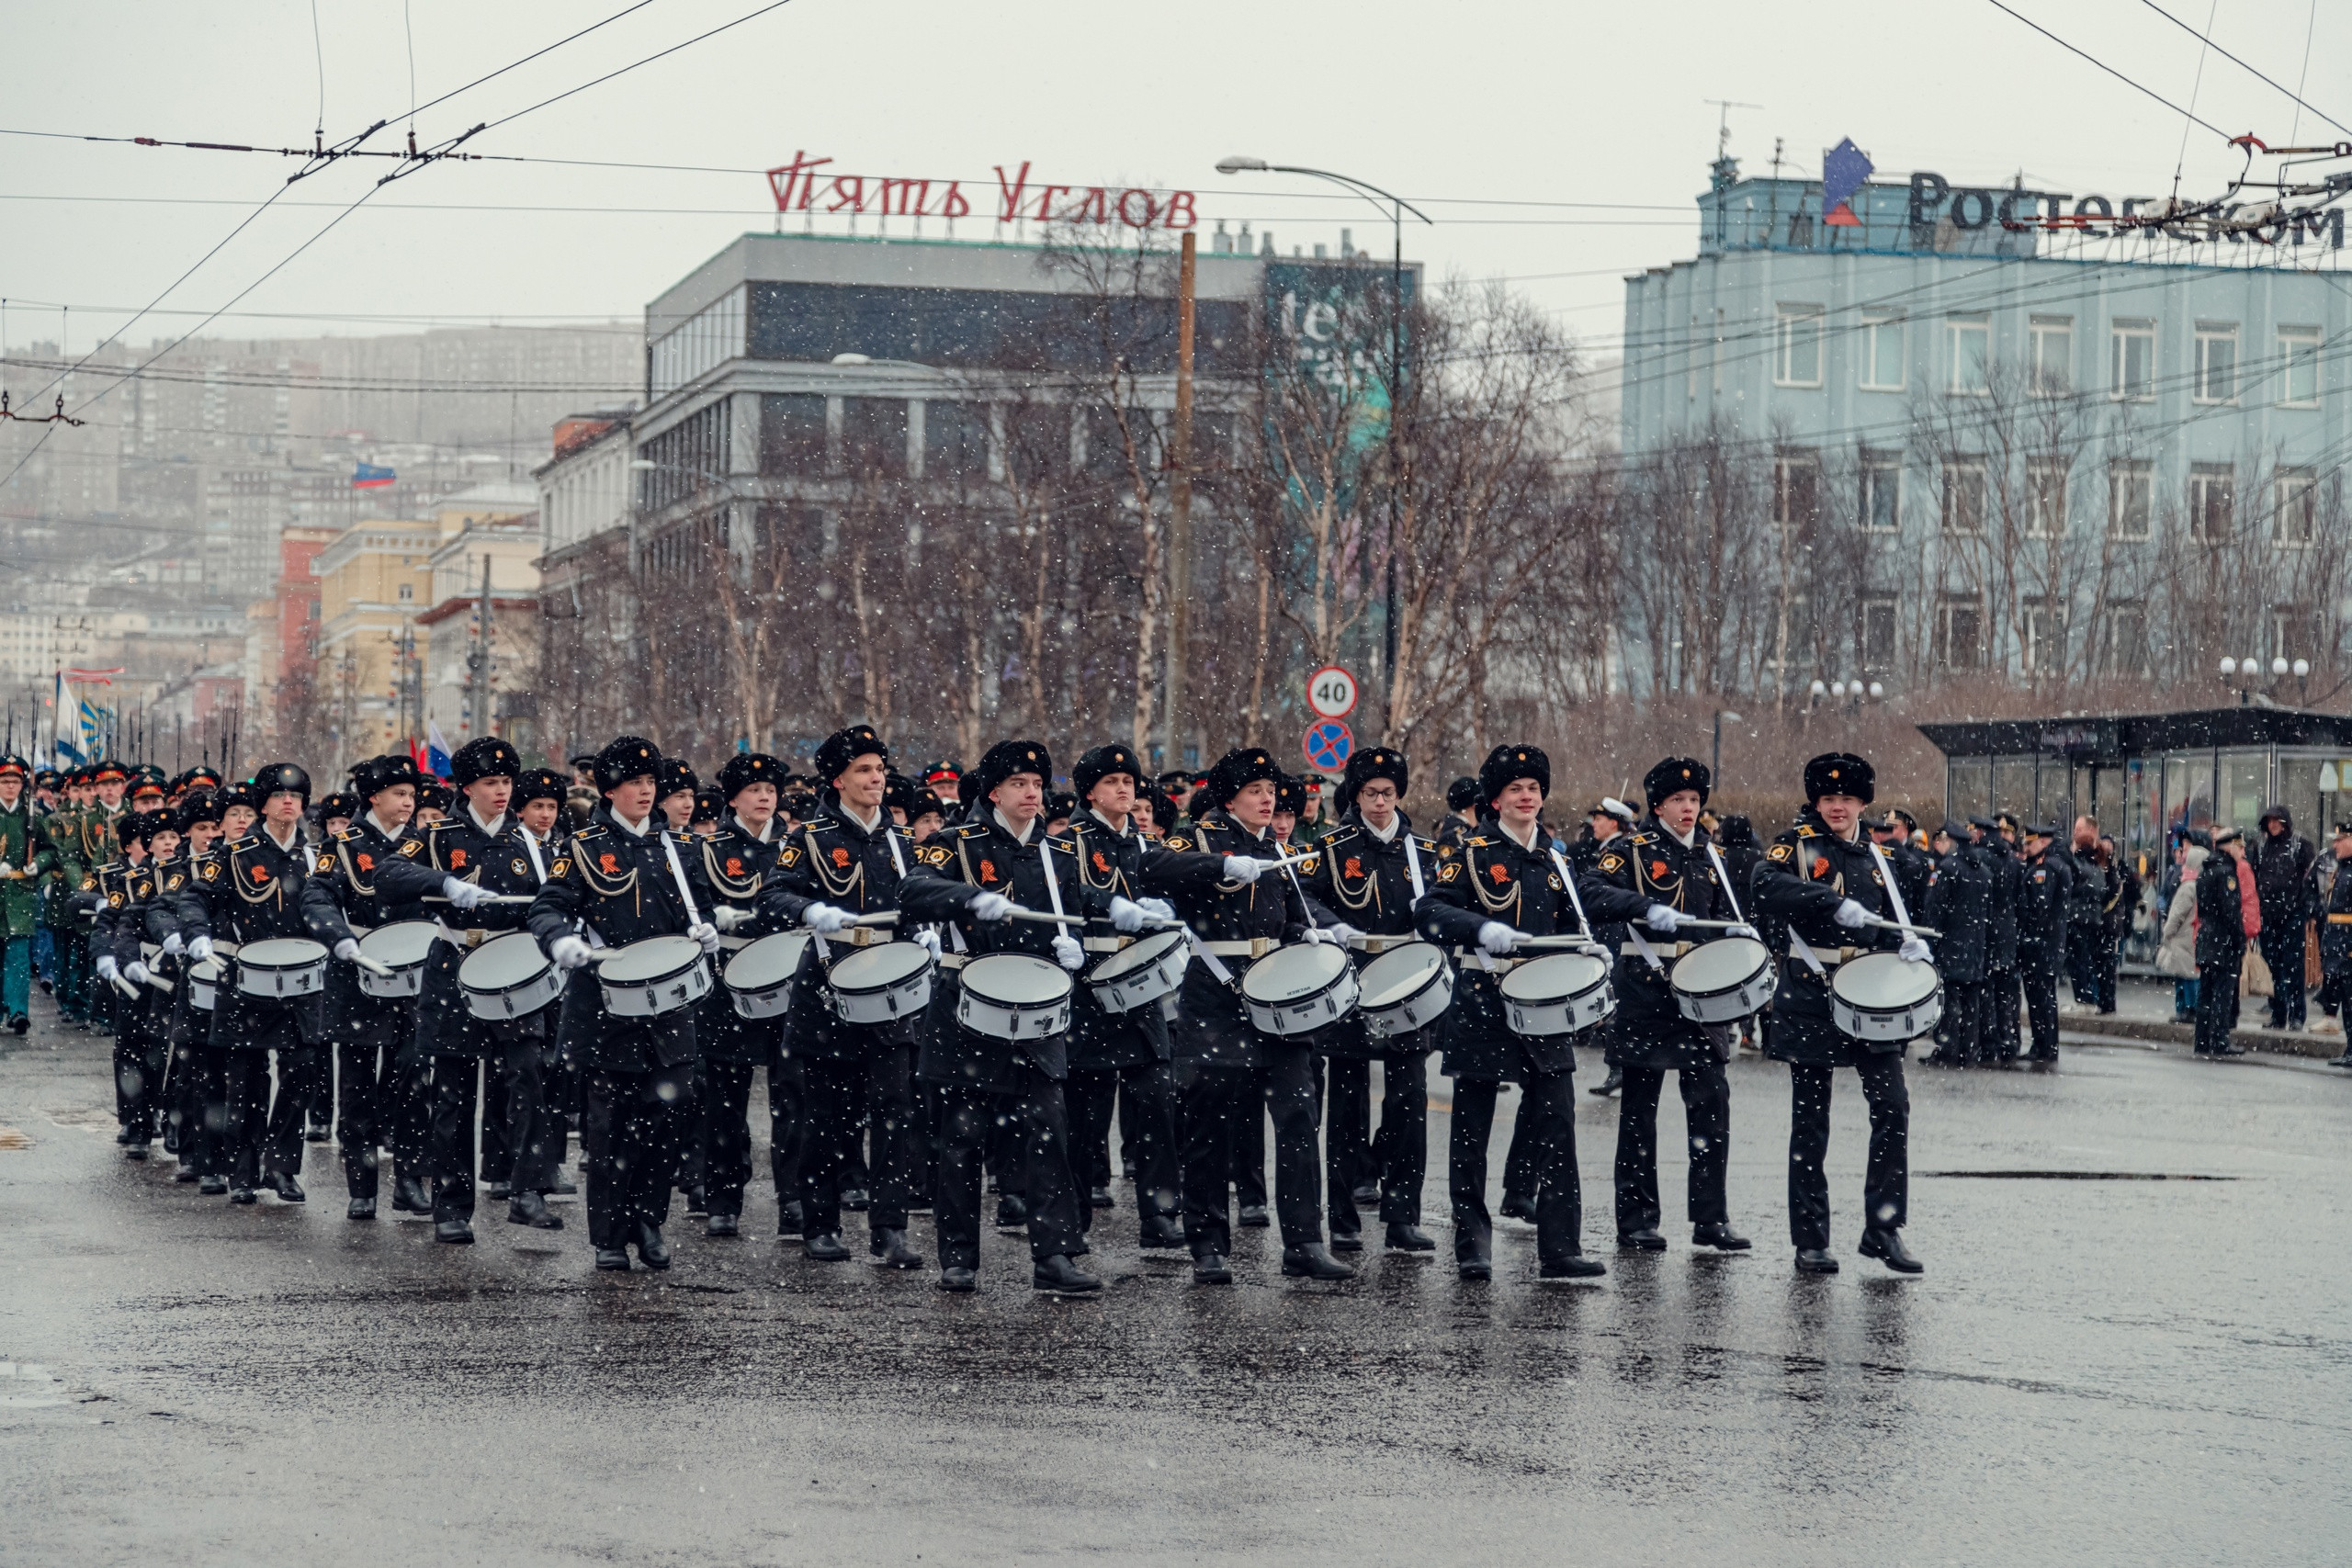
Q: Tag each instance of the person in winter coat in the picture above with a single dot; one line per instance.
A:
(2177, 948)
(2283, 863)
(2336, 940)
(1958, 902)
(2224, 911)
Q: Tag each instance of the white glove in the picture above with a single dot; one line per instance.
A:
(1067, 953)
(1157, 909)
(199, 948)
(1126, 914)
(1496, 938)
(135, 972)
(107, 967)
(464, 894)
(7, 870)
(567, 952)
(173, 946)
(990, 906)
(1662, 918)
(726, 916)
(1750, 932)
(1916, 948)
(824, 919)
(1850, 914)
(1343, 933)
(1241, 868)
(705, 933)
(927, 939)
(1317, 937)
(348, 949)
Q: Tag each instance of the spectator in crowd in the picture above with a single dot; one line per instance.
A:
(2336, 941)
(2123, 904)
(2176, 949)
(2229, 912)
(2086, 916)
(2283, 867)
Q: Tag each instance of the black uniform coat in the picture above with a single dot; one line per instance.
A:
(249, 891)
(2335, 922)
(2009, 884)
(730, 867)
(619, 884)
(2220, 917)
(341, 899)
(1959, 903)
(2046, 889)
(1912, 869)
(1369, 885)
(953, 866)
(1805, 872)
(1648, 1028)
(458, 846)
(832, 860)
(1216, 1030)
(1495, 878)
(1126, 865)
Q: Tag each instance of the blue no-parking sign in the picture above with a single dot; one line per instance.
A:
(1329, 744)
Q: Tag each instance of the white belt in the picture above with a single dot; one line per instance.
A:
(1106, 943)
(1493, 964)
(860, 936)
(1663, 949)
(731, 943)
(1256, 947)
(1378, 944)
(472, 936)
(1829, 954)
(953, 960)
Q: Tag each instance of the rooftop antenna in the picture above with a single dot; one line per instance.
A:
(1723, 123)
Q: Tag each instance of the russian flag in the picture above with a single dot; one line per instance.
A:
(368, 476)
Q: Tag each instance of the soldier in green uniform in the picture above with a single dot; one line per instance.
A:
(98, 846)
(20, 894)
(64, 874)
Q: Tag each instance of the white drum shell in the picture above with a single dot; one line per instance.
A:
(283, 970)
(1569, 1007)
(500, 998)
(1719, 1002)
(769, 995)
(1417, 1008)
(1884, 1022)
(985, 1009)
(393, 945)
(651, 996)
(204, 984)
(1302, 1014)
(1141, 980)
(866, 1001)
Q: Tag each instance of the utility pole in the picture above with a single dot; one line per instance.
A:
(481, 655)
(1180, 517)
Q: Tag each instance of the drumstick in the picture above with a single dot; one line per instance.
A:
(127, 988)
(384, 970)
(158, 982)
(880, 918)
(1039, 915)
(1899, 926)
(1578, 943)
(493, 899)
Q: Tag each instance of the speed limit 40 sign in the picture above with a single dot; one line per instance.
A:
(1331, 692)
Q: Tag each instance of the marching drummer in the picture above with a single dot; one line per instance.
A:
(141, 1019)
(382, 1087)
(1671, 859)
(250, 891)
(1508, 883)
(196, 1080)
(624, 877)
(974, 874)
(1372, 872)
(474, 871)
(1817, 892)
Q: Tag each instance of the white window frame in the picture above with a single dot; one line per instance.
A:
(2200, 480)
(1878, 469)
(2121, 337)
(2045, 330)
(1874, 332)
(1945, 609)
(2045, 514)
(2041, 622)
(2298, 350)
(1791, 325)
(1957, 470)
(2130, 498)
(2211, 335)
(2115, 660)
(2294, 494)
(1885, 606)
(1957, 332)
(1784, 466)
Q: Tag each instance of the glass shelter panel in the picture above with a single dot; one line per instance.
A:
(2013, 784)
(2245, 788)
(1968, 787)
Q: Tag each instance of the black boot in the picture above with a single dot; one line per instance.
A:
(457, 1232)
(1474, 1254)
(826, 1247)
(500, 1191)
(613, 1259)
(529, 1208)
(1312, 1260)
(723, 1225)
(651, 1251)
(1720, 1236)
(212, 1186)
(1253, 1215)
(1012, 1212)
(409, 1196)
(1645, 1239)
(698, 1198)
(1100, 1198)
(1517, 1207)
(1059, 1275)
(1610, 1085)
(1403, 1237)
(360, 1209)
(1886, 1246)
(1209, 1269)
(1162, 1230)
(1346, 1241)
(958, 1281)
(134, 1151)
(1815, 1260)
(889, 1248)
(289, 1190)
(1575, 1266)
(787, 1219)
(242, 1195)
(854, 1199)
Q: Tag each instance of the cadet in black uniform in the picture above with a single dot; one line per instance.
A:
(2335, 945)
(118, 938)
(1667, 860)
(734, 863)
(250, 891)
(1372, 872)
(383, 1086)
(1126, 1055)
(1995, 838)
(973, 874)
(1913, 867)
(620, 877)
(196, 1080)
(2046, 887)
(1219, 1055)
(1816, 894)
(1959, 905)
(1506, 882)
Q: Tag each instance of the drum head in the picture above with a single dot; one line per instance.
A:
(1289, 973)
(655, 958)
(502, 962)
(207, 972)
(1885, 982)
(1554, 977)
(281, 952)
(1398, 974)
(1016, 979)
(1720, 965)
(768, 963)
(875, 968)
(401, 945)
(1145, 952)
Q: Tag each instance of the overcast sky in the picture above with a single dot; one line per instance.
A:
(1558, 144)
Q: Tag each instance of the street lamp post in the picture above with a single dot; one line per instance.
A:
(1396, 207)
(1716, 767)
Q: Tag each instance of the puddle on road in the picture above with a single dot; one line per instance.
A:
(10, 1138)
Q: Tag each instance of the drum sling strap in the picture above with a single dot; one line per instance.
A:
(678, 874)
(1893, 893)
(1584, 925)
(1413, 866)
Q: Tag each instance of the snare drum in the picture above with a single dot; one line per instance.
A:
(1294, 989)
(759, 977)
(1406, 988)
(402, 947)
(1887, 997)
(282, 967)
(1559, 993)
(1720, 981)
(508, 977)
(1138, 975)
(882, 984)
(1013, 996)
(204, 984)
(657, 975)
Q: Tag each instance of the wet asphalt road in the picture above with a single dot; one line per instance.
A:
(2091, 1371)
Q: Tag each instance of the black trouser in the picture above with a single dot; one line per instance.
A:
(1151, 1089)
(1040, 1115)
(2000, 1028)
(2217, 1002)
(138, 1074)
(1398, 1156)
(1887, 1180)
(529, 1137)
(1547, 1120)
(380, 1100)
(1220, 1104)
(1347, 1139)
(2110, 957)
(1960, 1034)
(633, 1124)
(264, 1135)
(837, 1092)
(1520, 1173)
(201, 1101)
(727, 1136)
(1248, 1138)
(1706, 1110)
(2335, 989)
(2042, 1009)
(2082, 961)
(2283, 951)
